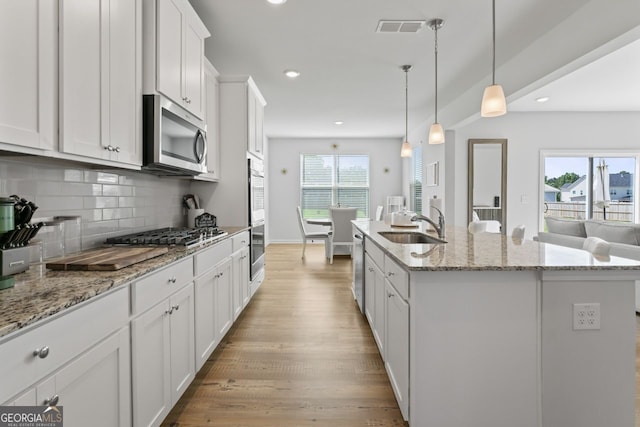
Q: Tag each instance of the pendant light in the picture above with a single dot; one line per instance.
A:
(493, 101)
(406, 150)
(436, 133)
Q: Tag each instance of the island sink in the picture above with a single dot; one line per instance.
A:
(410, 237)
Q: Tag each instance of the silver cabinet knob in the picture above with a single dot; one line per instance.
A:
(52, 401)
(117, 149)
(175, 307)
(370, 270)
(41, 352)
(221, 274)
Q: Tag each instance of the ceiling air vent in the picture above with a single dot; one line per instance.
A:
(396, 26)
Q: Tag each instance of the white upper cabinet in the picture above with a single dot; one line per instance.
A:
(28, 48)
(100, 78)
(242, 113)
(212, 119)
(179, 47)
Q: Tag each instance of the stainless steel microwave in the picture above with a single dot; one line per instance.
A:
(174, 141)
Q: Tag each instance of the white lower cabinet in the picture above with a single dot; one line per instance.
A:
(386, 302)
(163, 356)
(375, 301)
(88, 371)
(397, 346)
(241, 283)
(94, 389)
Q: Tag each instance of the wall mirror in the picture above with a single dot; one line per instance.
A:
(487, 190)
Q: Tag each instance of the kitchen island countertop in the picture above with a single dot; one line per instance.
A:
(39, 292)
(486, 252)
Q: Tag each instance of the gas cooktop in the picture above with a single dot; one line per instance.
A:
(183, 237)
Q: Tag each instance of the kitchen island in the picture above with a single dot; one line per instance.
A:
(496, 331)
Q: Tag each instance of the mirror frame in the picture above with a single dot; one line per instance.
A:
(503, 179)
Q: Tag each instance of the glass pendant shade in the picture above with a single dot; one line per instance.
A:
(406, 149)
(436, 134)
(493, 102)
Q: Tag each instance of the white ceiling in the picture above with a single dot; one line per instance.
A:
(351, 73)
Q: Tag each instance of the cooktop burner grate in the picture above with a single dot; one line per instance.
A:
(186, 237)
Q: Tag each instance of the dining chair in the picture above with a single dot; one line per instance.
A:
(342, 228)
(321, 235)
(379, 213)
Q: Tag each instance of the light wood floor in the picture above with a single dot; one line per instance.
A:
(300, 355)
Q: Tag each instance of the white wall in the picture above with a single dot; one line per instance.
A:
(284, 188)
(527, 135)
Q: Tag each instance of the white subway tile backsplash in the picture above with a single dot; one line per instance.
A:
(109, 203)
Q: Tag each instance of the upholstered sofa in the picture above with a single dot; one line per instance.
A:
(623, 238)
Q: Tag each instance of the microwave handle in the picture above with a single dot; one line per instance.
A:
(200, 147)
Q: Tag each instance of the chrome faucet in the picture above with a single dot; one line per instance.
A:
(439, 226)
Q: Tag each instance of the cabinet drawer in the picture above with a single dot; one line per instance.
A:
(65, 337)
(240, 240)
(375, 253)
(398, 277)
(155, 287)
(210, 257)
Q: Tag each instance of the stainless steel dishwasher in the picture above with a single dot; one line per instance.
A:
(358, 268)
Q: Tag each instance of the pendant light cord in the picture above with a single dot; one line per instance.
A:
(436, 62)
(406, 104)
(493, 78)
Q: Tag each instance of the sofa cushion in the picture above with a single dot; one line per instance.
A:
(561, 239)
(618, 233)
(568, 227)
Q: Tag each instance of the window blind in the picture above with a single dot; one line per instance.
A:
(415, 188)
(329, 180)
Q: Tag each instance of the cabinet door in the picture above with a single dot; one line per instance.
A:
(124, 81)
(397, 346)
(240, 281)
(83, 81)
(100, 79)
(28, 73)
(369, 286)
(151, 366)
(182, 341)
(193, 69)
(379, 314)
(259, 128)
(212, 113)
(224, 311)
(251, 121)
(170, 21)
(245, 272)
(94, 389)
(205, 317)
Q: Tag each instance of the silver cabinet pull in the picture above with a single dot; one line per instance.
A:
(41, 352)
(52, 401)
(390, 295)
(175, 307)
(370, 269)
(172, 279)
(391, 273)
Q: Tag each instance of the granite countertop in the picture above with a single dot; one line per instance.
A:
(39, 293)
(486, 251)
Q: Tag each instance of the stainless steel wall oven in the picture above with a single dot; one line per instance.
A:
(256, 213)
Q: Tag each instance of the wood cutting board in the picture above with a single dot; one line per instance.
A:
(106, 259)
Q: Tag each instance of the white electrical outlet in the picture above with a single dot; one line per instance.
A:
(586, 316)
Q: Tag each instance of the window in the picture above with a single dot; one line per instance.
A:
(579, 183)
(329, 180)
(415, 187)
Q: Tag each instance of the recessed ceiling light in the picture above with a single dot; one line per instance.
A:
(542, 99)
(338, 122)
(292, 74)
(277, 1)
